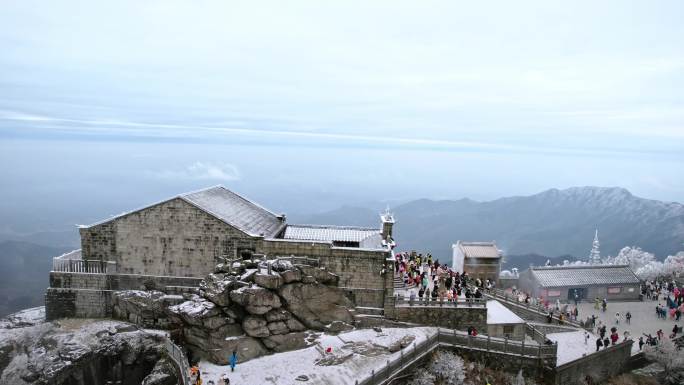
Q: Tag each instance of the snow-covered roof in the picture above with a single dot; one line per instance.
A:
(229, 207)
(368, 237)
(479, 249)
(500, 314)
(235, 210)
(560, 276)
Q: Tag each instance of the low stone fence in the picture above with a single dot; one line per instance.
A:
(599, 366)
(451, 317)
(89, 295)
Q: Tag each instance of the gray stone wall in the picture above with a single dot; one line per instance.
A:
(499, 330)
(459, 318)
(86, 295)
(600, 366)
(118, 281)
(360, 270)
(173, 238)
(77, 303)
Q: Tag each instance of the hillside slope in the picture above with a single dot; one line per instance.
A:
(554, 222)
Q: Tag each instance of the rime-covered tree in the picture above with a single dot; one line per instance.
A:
(670, 358)
(632, 256)
(423, 377)
(448, 368)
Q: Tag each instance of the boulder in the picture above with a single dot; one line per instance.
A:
(293, 275)
(316, 305)
(142, 304)
(278, 327)
(255, 326)
(256, 300)
(338, 326)
(320, 274)
(286, 342)
(217, 287)
(226, 331)
(280, 265)
(197, 312)
(278, 315)
(294, 325)
(308, 279)
(196, 336)
(219, 352)
(270, 281)
(163, 373)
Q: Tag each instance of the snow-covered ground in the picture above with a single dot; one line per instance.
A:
(358, 352)
(571, 345)
(500, 314)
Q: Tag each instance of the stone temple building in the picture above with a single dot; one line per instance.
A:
(178, 241)
(584, 282)
(479, 259)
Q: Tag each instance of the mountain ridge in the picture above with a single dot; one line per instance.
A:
(552, 222)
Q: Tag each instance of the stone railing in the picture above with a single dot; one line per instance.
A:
(444, 337)
(458, 302)
(83, 266)
(501, 295)
(535, 333)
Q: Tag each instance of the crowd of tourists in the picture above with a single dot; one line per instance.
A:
(427, 279)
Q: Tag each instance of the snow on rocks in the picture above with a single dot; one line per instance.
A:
(255, 299)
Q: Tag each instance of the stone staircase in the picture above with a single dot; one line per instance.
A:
(399, 283)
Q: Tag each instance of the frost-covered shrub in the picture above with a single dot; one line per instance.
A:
(519, 379)
(670, 358)
(423, 378)
(448, 368)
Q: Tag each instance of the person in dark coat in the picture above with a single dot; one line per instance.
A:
(599, 343)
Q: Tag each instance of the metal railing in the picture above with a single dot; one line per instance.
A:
(440, 302)
(453, 338)
(176, 354)
(83, 266)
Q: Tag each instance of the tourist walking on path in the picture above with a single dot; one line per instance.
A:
(641, 343)
(617, 318)
(599, 343)
(628, 317)
(233, 361)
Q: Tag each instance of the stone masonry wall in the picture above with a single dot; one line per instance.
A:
(448, 317)
(173, 238)
(77, 303)
(600, 366)
(360, 270)
(86, 295)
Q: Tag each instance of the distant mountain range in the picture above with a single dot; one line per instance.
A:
(552, 223)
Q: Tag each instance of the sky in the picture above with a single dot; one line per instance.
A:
(307, 106)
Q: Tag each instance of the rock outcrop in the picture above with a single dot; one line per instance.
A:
(78, 351)
(255, 310)
(316, 305)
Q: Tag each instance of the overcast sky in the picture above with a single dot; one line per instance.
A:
(307, 105)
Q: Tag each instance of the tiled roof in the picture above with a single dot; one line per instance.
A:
(479, 249)
(229, 207)
(367, 237)
(560, 276)
(235, 210)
